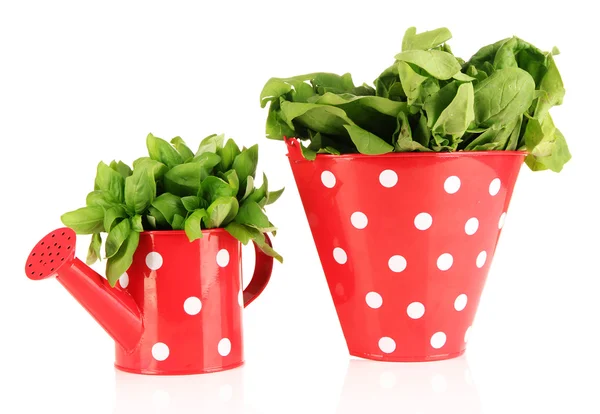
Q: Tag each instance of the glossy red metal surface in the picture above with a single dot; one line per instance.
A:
(177, 310)
(406, 241)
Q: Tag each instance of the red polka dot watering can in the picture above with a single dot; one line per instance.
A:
(406, 241)
(177, 310)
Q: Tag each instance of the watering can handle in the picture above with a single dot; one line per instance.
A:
(262, 274)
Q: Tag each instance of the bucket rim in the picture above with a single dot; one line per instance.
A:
(296, 155)
(218, 230)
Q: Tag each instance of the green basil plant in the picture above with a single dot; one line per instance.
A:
(429, 100)
(174, 189)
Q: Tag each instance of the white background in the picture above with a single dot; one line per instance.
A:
(82, 82)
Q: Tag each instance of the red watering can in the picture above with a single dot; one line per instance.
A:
(177, 309)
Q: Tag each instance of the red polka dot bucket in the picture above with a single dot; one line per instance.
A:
(178, 308)
(406, 241)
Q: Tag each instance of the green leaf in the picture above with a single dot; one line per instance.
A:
(503, 96)
(93, 254)
(158, 169)
(248, 189)
(117, 237)
(221, 212)
(160, 222)
(151, 221)
(367, 143)
(325, 119)
(233, 180)
(111, 215)
(259, 238)
(425, 40)
(245, 164)
(185, 179)
(136, 223)
(169, 205)
(228, 154)
(436, 103)
(214, 188)
(140, 190)
(412, 84)
(405, 142)
(121, 168)
(86, 220)
(120, 262)
(109, 181)
(552, 85)
(273, 89)
(210, 144)
(273, 196)
(193, 224)
(207, 160)
(161, 151)
(251, 214)
(239, 231)
(190, 203)
(546, 145)
(261, 192)
(184, 151)
(458, 115)
(440, 65)
(100, 199)
(178, 222)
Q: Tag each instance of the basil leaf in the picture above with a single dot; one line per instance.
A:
(248, 189)
(169, 205)
(193, 224)
(136, 223)
(116, 237)
(161, 151)
(121, 168)
(100, 199)
(120, 262)
(190, 203)
(245, 164)
(221, 212)
(86, 220)
(158, 169)
(274, 196)
(178, 222)
(184, 151)
(184, 180)
(259, 238)
(214, 188)
(367, 143)
(228, 154)
(440, 65)
(261, 192)
(93, 254)
(210, 144)
(425, 40)
(111, 215)
(140, 190)
(458, 115)
(110, 182)
(207, 160)
(251, 214)
(239, 231)
(233, 180)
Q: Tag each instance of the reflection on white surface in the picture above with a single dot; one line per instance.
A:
(415, 388)
(219, 392)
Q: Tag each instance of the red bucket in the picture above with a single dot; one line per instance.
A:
(406, 241)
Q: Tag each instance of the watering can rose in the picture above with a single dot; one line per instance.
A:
(429, 100)
(174, 188)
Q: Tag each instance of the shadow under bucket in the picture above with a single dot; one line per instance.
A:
(406, 241)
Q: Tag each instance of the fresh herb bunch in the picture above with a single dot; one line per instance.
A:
(429, 100)
(174, 189)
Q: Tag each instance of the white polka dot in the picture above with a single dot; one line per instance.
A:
(223, 258)
(471, 226)
(388, 178)
(494, 186)
(241, 298)
(154, 261)
(460, 302)
(444, 262)
(124, 280)
(423, 221)
(359, 220)
(224, 347)
(387, 380)
(452, 184)
(387, 345)
(415, 310)
(481, 258)
(160, 351)
(328, 179)
(439, 383)
(501, 221)
(192, 305)
(397, 263)
(467, 334)
(374, 300)
(340, 255)
(438, 340)
(226, 393)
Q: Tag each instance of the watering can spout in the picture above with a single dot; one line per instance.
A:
(113, 308)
